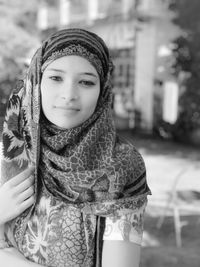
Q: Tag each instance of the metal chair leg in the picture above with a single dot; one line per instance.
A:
(177, 226)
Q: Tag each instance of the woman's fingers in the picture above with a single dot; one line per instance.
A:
(28, 182)
(26, 194)
(26, 204)
(19, 208)
(18, 179)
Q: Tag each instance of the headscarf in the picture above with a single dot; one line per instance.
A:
(89, 165)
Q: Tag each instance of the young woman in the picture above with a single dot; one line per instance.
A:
(76, 191)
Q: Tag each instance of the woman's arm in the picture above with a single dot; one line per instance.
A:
(122, 239)
(10, 257)
(120, 254)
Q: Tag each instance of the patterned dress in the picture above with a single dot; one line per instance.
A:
(55, 234)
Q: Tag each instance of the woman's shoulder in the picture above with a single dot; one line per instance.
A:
(136, 182)
(124, 144)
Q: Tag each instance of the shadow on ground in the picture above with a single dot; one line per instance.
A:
(159, 248)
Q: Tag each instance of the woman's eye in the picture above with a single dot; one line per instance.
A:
(56, 78)
(87, 83)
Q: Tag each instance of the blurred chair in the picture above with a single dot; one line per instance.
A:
(180, 202)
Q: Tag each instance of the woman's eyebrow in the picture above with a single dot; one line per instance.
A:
(89, 73)
(57, 70)
(81, 73)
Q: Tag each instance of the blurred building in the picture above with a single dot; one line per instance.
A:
(135, 31)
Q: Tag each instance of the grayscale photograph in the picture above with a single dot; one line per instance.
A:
(99, 133)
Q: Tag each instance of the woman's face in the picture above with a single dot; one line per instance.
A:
(70, 88)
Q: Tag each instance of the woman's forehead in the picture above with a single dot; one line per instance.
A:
(71, 63)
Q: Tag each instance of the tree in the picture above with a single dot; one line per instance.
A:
(18, 36)
(186, 67)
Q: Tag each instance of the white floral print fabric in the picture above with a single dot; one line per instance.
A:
(127, 227)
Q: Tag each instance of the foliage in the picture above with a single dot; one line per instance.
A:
(187, 66)
(18, 37)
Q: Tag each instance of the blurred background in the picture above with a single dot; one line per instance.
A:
(156, 83)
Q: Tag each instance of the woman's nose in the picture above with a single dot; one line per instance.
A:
(69, 91)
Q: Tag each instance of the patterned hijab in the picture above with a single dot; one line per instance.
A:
(88, 165)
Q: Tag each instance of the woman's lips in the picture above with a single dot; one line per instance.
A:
(69, 110)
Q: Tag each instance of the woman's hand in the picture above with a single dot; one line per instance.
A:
(16, 195)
